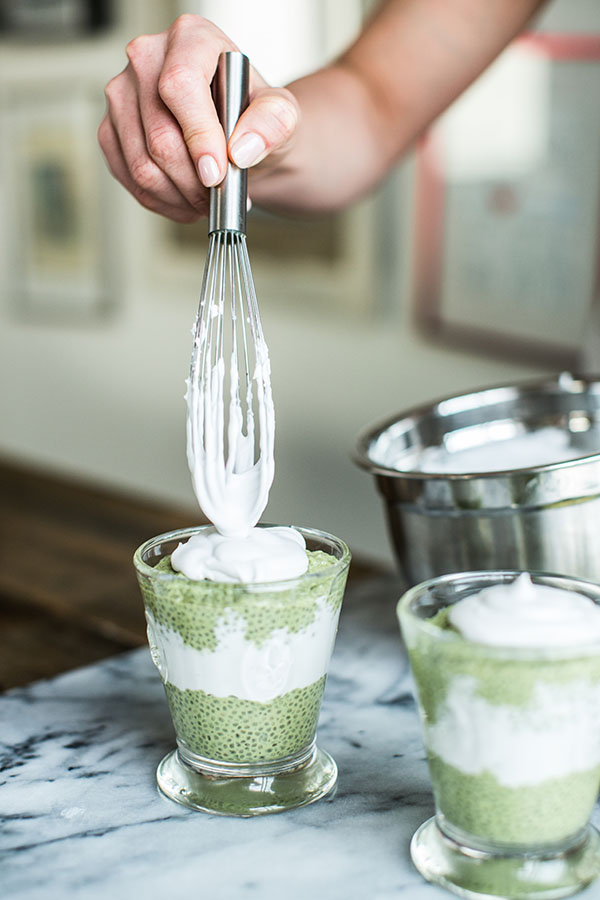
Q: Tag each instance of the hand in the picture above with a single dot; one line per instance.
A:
(161, 136)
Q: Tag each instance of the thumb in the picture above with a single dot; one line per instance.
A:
(266, 125)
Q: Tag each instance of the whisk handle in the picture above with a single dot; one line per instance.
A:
(230, 87)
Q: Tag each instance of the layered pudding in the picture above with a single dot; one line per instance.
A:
(508, 682)
(244, 663)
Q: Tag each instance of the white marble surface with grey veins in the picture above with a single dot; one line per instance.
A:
(82, 817)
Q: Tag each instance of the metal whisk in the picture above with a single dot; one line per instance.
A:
(230, 423)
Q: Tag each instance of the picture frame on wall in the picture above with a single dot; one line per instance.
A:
(58, 240)
(508, 201)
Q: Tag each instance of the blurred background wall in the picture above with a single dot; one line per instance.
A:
(98, 295)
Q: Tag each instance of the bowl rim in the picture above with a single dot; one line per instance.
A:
(578, 384)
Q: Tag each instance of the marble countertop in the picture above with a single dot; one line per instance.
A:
(82, 818)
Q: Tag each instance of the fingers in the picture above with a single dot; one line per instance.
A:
(267, 125)
(155, 124)
(141, 177)
(193, 49)
(161, 136)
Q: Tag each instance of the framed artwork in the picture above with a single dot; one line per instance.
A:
(508, 200)
(58, 237)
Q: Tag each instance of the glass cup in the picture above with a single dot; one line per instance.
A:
(244, 669)
(513, 743)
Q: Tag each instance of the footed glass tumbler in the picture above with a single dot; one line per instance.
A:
(513, 744)
(244, 669)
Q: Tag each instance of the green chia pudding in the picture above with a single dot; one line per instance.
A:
(512, 735)
(244, 666)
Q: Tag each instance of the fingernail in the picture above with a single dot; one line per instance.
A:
(208, 170)
(247, 150)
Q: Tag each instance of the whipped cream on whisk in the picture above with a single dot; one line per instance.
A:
(525, 614)
(231, 432)
(230, 486)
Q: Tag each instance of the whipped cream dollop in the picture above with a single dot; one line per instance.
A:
(264, 554)
(525, 614)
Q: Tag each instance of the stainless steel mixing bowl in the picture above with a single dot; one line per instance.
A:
(544, 518)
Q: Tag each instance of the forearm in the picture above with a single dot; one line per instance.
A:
(334, 155)
(361, 114)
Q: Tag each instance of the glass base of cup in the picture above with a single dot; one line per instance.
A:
(474, 873)
(247, 793)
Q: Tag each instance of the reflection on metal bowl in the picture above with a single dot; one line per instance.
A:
(543, 518)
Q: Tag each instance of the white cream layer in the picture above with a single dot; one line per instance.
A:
(237, 667)
(553, 736)
(522, 613)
